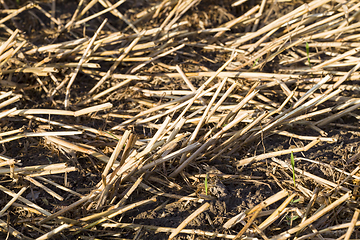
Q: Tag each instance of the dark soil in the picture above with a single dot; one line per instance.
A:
(254, 183)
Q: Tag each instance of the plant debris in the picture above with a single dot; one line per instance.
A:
(171, 119)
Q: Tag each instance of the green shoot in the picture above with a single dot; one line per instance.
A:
(112, 135)
(206, 184)
(293, 167)
(307, 53)
(289, 219)
(295, 201)
(256, 61)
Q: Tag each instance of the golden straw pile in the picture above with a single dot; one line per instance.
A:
(177, 119)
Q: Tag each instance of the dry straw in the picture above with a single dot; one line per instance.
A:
(146, 102)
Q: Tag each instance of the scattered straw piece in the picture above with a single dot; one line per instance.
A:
(188, 220)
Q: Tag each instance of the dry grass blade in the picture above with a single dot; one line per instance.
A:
(274, 154)
(40, 134)
(4, 46)
(9, 229)
(7, 112)
(24, 200)
(114, 212)
(17, 12)
(93, 109)
(238, 20)
(114, 156)
(297, 12)
(68, 145)
(325, 139)
(68, 208)
(10, 101)
(79, 22)
(251, 220)
(318, 179)
(276, 197)
(314, 217)
(55, 231)
(117, 62)
(276, 213)
(82, 60)
(188, 219)
(60, 186)
(208, 143)
(168, 157)
(107, 106)
(352, 224)
(15, 197)
(51, 192)
(170, 230)
(157, 57)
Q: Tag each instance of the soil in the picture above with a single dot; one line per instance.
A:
(244, 189)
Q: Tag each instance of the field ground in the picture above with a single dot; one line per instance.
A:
(177, 119)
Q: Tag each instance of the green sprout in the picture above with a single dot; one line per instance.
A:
(112, 135)
(307, 53)
(295, 201)
(206, 184)
(289, 219)
(256, 61)
(293, 167)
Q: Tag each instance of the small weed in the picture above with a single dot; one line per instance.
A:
(206, 184)
(290, 220)
(293, 167)
(113, 136)
(256, 61)
(295, 201)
